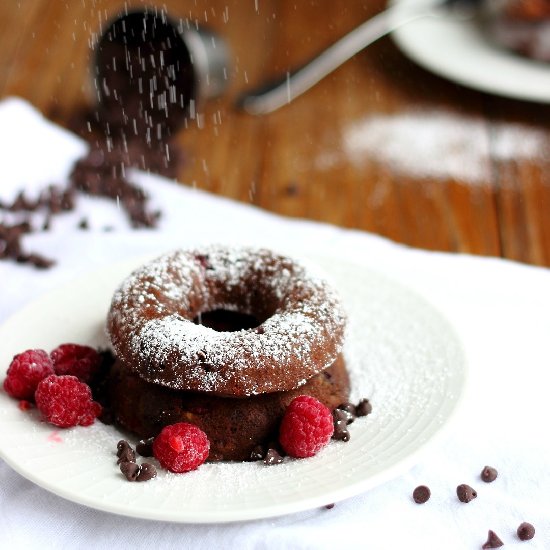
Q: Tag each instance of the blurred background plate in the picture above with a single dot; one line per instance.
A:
(460, 51)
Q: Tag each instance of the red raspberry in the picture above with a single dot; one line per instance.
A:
(76, 360)
(181, 447)
(25, 372)
(306, 428)
(64, 401)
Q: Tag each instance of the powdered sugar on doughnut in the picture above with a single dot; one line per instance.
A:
(151, 326)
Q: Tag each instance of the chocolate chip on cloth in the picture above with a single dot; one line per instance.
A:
(493, 541)
(525, 531)
(465, 493)
(11, 248)
(488, 474)
(421, 494)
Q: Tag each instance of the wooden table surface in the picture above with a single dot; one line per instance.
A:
(381, 144)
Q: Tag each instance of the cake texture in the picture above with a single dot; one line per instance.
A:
(235, 427)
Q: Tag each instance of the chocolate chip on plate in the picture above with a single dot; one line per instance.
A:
(526, 531)
(465, 493)
(272, 457)
(350, 409)
(130, 470)
(363, 408)
(493, 541)
(145, 447)
(421, 494)
(146, 472)
(121, 446)
(488, 474)
(257, 453)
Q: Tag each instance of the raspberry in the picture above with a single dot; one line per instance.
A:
(76, 360)
(181, 447)
(26, 370)
(306, 428)
(64, 401)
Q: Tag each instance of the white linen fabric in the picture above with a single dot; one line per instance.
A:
(500, 310)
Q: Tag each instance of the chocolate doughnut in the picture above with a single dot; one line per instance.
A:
(154, 322)
(234, 426)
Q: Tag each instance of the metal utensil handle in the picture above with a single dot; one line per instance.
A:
(270, 97)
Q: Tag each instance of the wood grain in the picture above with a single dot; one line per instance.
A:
(315, 157)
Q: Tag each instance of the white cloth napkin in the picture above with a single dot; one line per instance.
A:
(501, 311)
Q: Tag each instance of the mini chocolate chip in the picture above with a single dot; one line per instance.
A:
(121, 446)
(465, 493)
(130, 470)
(145, 447)
(488, 474)
(272, 457)
(343, 415)
(350, 409)
(127, 455)
(341, 435)
(83, 224)
(493, 541)
(146, 472)
(422, 494)
(330, 506)
(340, 419)
(260, 330)
(257, 453)
(526, 531)
(363, 408)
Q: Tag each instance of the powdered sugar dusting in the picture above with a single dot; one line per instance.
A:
(439, 144)
(151, 321)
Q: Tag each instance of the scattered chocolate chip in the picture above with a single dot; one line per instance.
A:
(121, 446)
(260, 330)
(83, 224)
(10, 246)
(272, 457)
(145, 447)
(146, 472)
(493, 541)
(330, 506)
(489, 474)
(526, 531)
(349, 407)
(465, 493)
(363, 408)
(130, 470)
(421, 494)
(257, 453)
(127, 455)
(340, 419)
(345, 414)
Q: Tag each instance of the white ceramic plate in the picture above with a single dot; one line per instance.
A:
(459, 50)
(401, 354)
